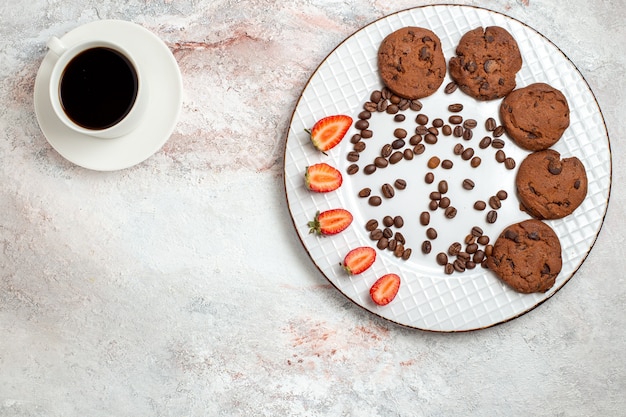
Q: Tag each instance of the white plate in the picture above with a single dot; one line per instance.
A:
(163, 79)
(428, 298)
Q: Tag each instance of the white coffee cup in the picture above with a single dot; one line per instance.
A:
(81, 95)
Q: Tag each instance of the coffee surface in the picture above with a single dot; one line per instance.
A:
(98, 88)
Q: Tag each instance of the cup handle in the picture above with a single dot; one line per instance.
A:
(56, 46)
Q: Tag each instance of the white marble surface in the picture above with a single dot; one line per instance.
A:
(178, 287)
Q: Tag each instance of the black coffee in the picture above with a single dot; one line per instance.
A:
(98, 88)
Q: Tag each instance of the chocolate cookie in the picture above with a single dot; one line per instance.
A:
(486, 63)
(527, 256)
(411, 62)
(548, 187)
(536, 116)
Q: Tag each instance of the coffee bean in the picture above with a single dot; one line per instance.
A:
(500, 156)
(399, 250)
(380, 162)
(483, 240)
(469, 239)
(421, 130)
(467, 154)
(370, 106)
(498, 131)
(502, 195)
(398, 222)
(352, 169)
(454, 249)
(475, 162)
(450, 212)
(435, 195)
(442, 186)
(359, 146)
(375, 201)
(400, 238)
(455, 108)
(470, 123)
(387, 233)
(371, 225)
(403, 105)
(424, 218)
(489, 250)
(480, 205)
(406, 254)
(477, 231)
(490, 124)
(446, 130)
(438, 122)
(355, 138)
(430, 138)
(468, 184)
(387, 221)
(388, 191)
(458, 149)
(366, 134)
(392, 109)
(450, 87)
(448, 269)
(433, 205)
(509, 163)
(376, 234)
(459, 265)
(353, 156)
(362, 124)
(396, 157)
(376, 96)
(415, 139)
(382, 105)
(419, 149)
(386, 150)
(447, 164)
(442, 258)
(485, 142)
(400, 184)
(471, 248)
(415, 105)
(399, 117)
(397, 144)
(399, 133)
(392, 244)
(382, 244)
(468, 134)
(426, 247)
(497, 144)
(429, 178)
(455, 119)
(364, 115)
(494, 202)
(421, 119)
(408, 154)
(431, 233)
(433, 130)
(433, 162)
(492, 216)
(369, 169)
(444, 202)
(365, 192)
(479, 256)
(458, 131)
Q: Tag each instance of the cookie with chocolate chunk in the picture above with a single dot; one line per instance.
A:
(486, 64)
(411, 62)
(527, 256)
(535, 116)
(549, 187)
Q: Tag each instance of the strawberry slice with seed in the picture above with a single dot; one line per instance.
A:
(385, 289)
(322, 178)
(330, 222)
(329, 131)
(358, 260)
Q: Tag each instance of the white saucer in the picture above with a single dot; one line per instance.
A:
(165, 83)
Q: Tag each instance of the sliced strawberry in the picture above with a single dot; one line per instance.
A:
(359, 259)
(322, 178)
(328, 132)
(385, 289)
(330, 222)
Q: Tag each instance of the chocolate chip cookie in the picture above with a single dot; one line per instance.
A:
(486, 63)
(527, 256)
(549, 187)
(411, 62)
(535, 116)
